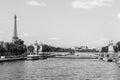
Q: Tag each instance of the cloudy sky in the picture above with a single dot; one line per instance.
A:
(62, 22)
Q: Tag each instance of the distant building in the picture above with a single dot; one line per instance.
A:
(15, 35)
(81, 48)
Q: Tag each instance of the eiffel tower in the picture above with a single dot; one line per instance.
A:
(15, 36)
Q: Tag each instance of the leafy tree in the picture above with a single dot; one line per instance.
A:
(118, 45)
(19, 42)
(6, 47)
(30, 48)
(115, 49)
(13, 49)
(17, 48)
(104, 49)
(2, 51)
(20, 47)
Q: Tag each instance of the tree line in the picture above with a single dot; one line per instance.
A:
(85, 49)
(10, 49)
(49, 48)
(18, 48)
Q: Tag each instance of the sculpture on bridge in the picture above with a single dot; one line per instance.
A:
(110, 47)
(38, 48)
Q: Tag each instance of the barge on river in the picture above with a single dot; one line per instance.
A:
(12, 59)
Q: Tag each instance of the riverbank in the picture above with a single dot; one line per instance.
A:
(76, 57)
(80, 56)
(12, 59)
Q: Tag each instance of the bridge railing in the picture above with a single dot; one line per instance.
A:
(109, 55)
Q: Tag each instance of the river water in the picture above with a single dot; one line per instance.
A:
(59, 69)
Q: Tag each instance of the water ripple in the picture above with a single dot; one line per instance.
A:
(59, 69)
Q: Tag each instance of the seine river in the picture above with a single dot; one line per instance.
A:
(59, 69)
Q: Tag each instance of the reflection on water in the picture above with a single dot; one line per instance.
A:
(59, 69)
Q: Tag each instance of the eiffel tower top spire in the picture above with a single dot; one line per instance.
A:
(15, 36)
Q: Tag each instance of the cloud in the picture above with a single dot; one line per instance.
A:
(2, 32)
(118, 15)
(25, 35)
(35, 3)
(90, 4)
(116, 21)
(101, 41)
(54, 39)
(31, 34)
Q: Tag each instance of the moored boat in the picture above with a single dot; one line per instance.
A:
(33, 57)
(43, 56)
(12, 59)
(37, 53)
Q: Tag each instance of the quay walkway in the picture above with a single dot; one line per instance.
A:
(12, 59)
(113, 57)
